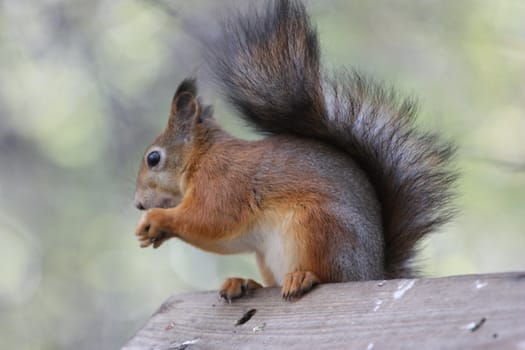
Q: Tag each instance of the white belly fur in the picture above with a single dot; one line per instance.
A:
(272, 233)
(268, 238)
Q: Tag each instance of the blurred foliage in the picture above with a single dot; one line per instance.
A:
(85, 87)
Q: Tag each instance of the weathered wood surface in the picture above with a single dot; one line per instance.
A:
(462, 312)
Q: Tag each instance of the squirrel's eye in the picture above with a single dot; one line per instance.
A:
(153, 159)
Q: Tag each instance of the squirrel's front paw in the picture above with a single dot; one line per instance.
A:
(152, 228)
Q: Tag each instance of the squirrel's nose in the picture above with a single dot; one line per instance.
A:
(139, 206)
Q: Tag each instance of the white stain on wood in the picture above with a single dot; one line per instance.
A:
(377, 304)
(403, 287)
(479, 284)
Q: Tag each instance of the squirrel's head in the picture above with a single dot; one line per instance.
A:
(163, 172)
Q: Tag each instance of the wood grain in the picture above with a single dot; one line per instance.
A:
(461, 312)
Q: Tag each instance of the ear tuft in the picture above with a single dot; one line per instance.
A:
(188, 85)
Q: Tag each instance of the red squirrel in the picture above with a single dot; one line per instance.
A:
(342, 188)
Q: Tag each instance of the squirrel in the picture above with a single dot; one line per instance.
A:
(342, 188)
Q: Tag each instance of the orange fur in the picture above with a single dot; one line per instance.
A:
(229, 205)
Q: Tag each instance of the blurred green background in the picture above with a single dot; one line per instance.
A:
(86, 85)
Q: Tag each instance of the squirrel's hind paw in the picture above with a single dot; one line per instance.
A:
(298, 283)
(235, 287)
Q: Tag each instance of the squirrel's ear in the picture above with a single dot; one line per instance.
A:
(184, 100)
(185, 106)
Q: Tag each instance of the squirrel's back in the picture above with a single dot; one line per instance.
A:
(268, 64)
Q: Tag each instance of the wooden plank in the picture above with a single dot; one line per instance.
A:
(462, 312)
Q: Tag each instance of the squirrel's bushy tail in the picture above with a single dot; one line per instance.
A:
(269, 67)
